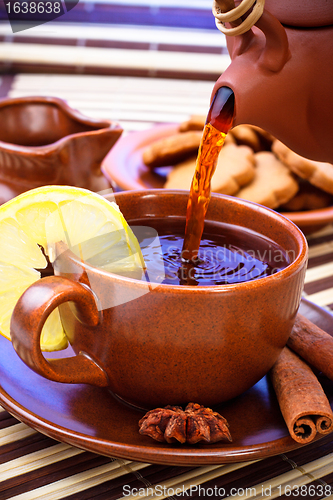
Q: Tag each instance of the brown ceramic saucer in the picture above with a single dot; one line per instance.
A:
(124, 165)
(90, 418)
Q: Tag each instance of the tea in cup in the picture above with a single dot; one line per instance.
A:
(206, 335)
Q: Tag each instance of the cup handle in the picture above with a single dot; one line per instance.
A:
(29, 316)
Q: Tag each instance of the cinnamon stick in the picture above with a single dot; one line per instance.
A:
(313, 345)
(303, 403)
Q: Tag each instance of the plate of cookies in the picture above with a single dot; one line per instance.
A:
(252, 165)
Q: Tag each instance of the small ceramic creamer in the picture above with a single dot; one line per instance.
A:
(43, 141)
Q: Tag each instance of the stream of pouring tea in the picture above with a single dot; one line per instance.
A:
(218, 123)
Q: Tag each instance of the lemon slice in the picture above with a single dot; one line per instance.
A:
(30, 226)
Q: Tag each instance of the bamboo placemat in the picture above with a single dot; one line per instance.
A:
(33, 466)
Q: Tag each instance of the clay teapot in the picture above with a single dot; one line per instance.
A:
(44, 141)
(281, 72)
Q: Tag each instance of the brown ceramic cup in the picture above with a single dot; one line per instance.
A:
(44, 141)
(154, 345)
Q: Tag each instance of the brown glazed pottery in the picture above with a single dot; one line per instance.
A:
(88, 417)
(43, 141)
(154, 345)
(282, 75)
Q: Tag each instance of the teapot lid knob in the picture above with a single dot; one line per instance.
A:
(225, 12)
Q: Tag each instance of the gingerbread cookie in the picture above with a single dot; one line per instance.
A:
(197, 122)
(229, 139)
(172, 149)
(235, 168)
(180, 177)
(246, 135)
(318, 173)
(308, 198)
(273, 183)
